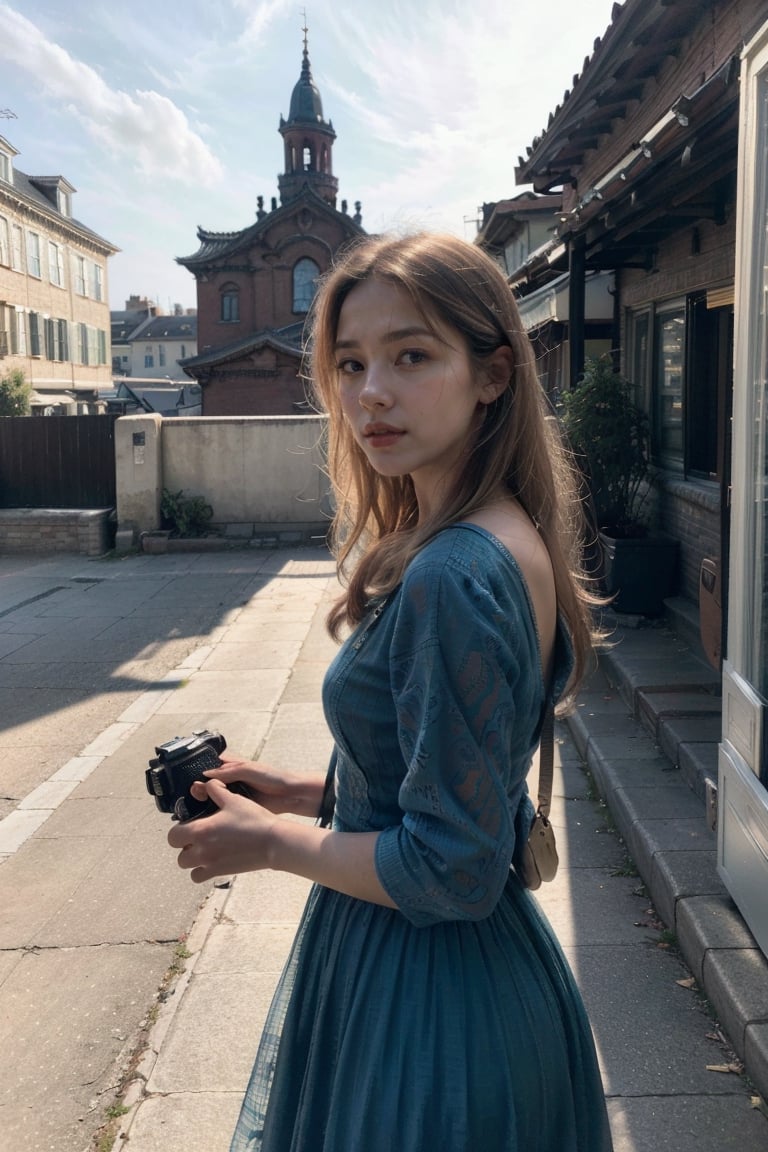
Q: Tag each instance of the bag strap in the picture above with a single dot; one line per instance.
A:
(546, 761)
(328, 803)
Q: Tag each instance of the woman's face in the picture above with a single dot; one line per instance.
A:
(408, 388)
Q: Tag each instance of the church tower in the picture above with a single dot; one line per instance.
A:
(255, 287)
(308, 142)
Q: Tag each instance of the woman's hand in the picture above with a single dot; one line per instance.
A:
(296, 792)
(234, 839)
(243, 836)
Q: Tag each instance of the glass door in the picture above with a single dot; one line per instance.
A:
(743, 763)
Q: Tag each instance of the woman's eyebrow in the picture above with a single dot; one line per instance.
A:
(391, 337)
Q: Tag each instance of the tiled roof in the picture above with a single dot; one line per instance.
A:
(24, 189)
(166, 328)
(215, 245)
(288, 339)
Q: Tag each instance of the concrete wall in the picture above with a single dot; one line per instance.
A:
(262, 475)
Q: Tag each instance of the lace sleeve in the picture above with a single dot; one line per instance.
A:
(467, 688)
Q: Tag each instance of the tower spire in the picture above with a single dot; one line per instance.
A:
(308, 138)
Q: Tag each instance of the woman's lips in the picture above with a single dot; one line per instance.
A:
(381, 435)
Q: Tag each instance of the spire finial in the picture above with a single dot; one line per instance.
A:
(305, 30)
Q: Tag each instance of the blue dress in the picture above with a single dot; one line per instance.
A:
(452, 1022)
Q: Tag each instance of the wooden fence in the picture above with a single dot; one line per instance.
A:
(57, 461)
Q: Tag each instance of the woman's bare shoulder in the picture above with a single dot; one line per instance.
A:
(507, 521)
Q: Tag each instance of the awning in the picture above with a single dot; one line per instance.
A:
(43, 398)
(550, 303)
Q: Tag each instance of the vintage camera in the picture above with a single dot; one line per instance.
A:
(179, 763)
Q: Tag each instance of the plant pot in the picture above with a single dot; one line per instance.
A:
(640, 573)
(155, 542)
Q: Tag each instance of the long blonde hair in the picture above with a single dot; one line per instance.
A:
(376, 531)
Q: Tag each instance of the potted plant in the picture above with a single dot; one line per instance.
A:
(609, 433)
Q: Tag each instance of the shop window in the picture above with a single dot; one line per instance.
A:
(709, 380)
(669, 339)
(679, 357)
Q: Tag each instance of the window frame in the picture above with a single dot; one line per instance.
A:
(96, 282)
(5, 245)
(34, 260)
(229, 305)
(80, 276)
(56, 261)
(666, 429)
(17, 247)
(20, 326)
(699, 456)
(35, 335)
(300, 285)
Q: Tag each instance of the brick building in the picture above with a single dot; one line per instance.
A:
(644, 148)
(255, 287)
(54, 310)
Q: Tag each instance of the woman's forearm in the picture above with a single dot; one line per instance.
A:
(343, 861)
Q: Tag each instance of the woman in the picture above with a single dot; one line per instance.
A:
(425, 1004)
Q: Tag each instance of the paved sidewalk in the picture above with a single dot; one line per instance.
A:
(94, 905)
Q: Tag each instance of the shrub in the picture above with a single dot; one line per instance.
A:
(184, 515)
(609, 433)
(15, 394)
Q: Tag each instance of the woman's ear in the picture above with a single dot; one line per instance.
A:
(496, 374)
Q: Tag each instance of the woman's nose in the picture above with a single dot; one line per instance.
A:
(375, 391)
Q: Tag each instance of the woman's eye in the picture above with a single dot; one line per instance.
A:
(412, 356)
(349, 367)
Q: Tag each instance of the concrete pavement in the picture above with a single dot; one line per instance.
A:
(100, 1006)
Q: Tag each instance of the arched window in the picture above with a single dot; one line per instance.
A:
(230, 304)
(305, 274)
(307, 158)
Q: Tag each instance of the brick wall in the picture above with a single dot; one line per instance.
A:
(268, 383)
(43, 530)
(685, 263)
(691, 513)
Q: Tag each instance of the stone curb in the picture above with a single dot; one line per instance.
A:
(135, 1092)
(675, 853)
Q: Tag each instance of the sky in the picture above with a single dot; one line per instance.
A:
(164, 115)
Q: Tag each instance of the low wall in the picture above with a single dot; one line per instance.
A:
(690, 511)
(42, 530)
(262, 475)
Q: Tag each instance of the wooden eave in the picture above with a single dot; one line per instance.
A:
(694, 182)
(641, 36)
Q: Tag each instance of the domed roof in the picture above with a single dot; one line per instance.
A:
(306, 105)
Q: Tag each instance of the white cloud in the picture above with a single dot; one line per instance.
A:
(259, 20)
(452, 95)
(145, 126)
